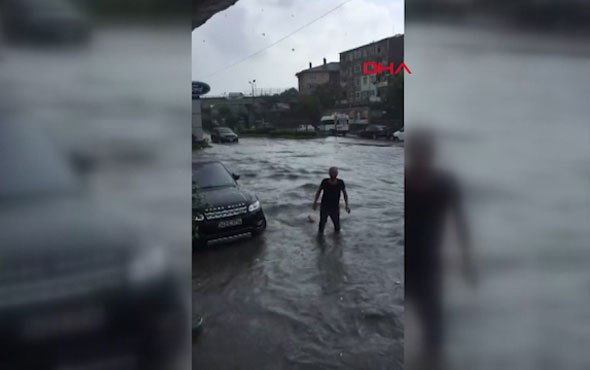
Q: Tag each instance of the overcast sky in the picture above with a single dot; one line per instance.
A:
(251, 25)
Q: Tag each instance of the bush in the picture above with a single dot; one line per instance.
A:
(287, 134)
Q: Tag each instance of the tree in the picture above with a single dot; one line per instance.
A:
(289, 96)
(309, 108)
(327, 95)
(393, 96)
(226, 114)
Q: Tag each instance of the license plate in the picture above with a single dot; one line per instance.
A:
(230, 223)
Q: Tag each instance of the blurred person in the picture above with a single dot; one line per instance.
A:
(332, 187)
(431, 196)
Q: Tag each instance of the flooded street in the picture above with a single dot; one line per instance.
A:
(291, 300)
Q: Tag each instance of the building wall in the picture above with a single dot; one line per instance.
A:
(309, 81)
(357, 88)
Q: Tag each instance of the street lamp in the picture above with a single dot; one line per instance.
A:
(252, 84)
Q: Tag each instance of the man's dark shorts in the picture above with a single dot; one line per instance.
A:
(333, 213)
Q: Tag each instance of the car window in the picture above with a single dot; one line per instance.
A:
(224, 130)
(209, 175)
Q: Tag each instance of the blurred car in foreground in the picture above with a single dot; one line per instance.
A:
(43, 21)
(399, 135)
(223, 135)
(77, 288)
(222, 210)
(374, 132)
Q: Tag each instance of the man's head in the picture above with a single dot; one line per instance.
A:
(420, 149)
(333, 172)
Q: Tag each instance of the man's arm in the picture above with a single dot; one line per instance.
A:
(317, 196)
(345, 198)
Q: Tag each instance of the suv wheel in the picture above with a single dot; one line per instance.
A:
(261, 230)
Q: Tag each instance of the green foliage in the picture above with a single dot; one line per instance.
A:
(393, 97)
(284, 134)
(225, 112)
(310, 107)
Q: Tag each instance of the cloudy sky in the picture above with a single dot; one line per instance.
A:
(252, 25)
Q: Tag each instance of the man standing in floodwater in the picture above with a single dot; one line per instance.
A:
(431, 196)
(332, 187)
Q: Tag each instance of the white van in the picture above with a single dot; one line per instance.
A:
(335, 124)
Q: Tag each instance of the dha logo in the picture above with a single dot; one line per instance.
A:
(378, 68)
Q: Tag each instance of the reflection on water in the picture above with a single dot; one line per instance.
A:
(291, 299)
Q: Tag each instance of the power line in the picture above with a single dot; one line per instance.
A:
(278, 41)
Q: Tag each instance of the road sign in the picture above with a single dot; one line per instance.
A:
(200, 88)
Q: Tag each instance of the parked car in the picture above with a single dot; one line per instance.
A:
(44, 21)
(374, 132)
(223, 135)
(306, 128)
(399, 135)
(76, 285)
(222, 210)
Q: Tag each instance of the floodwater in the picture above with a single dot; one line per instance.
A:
(291, 300)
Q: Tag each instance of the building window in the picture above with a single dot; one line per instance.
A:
(378, 49)
(357, 68)
(350, 57)
(365, 80)
(357, 95)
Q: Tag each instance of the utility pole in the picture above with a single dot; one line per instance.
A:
(252, 84)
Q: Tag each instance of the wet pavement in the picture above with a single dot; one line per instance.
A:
(289, 299)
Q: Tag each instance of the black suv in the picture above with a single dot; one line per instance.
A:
(221, 209)
(375, 132)
(223, 135)
(76, 285)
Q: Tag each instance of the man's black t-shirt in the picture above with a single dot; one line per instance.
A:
(331, 195)
(426, 205)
